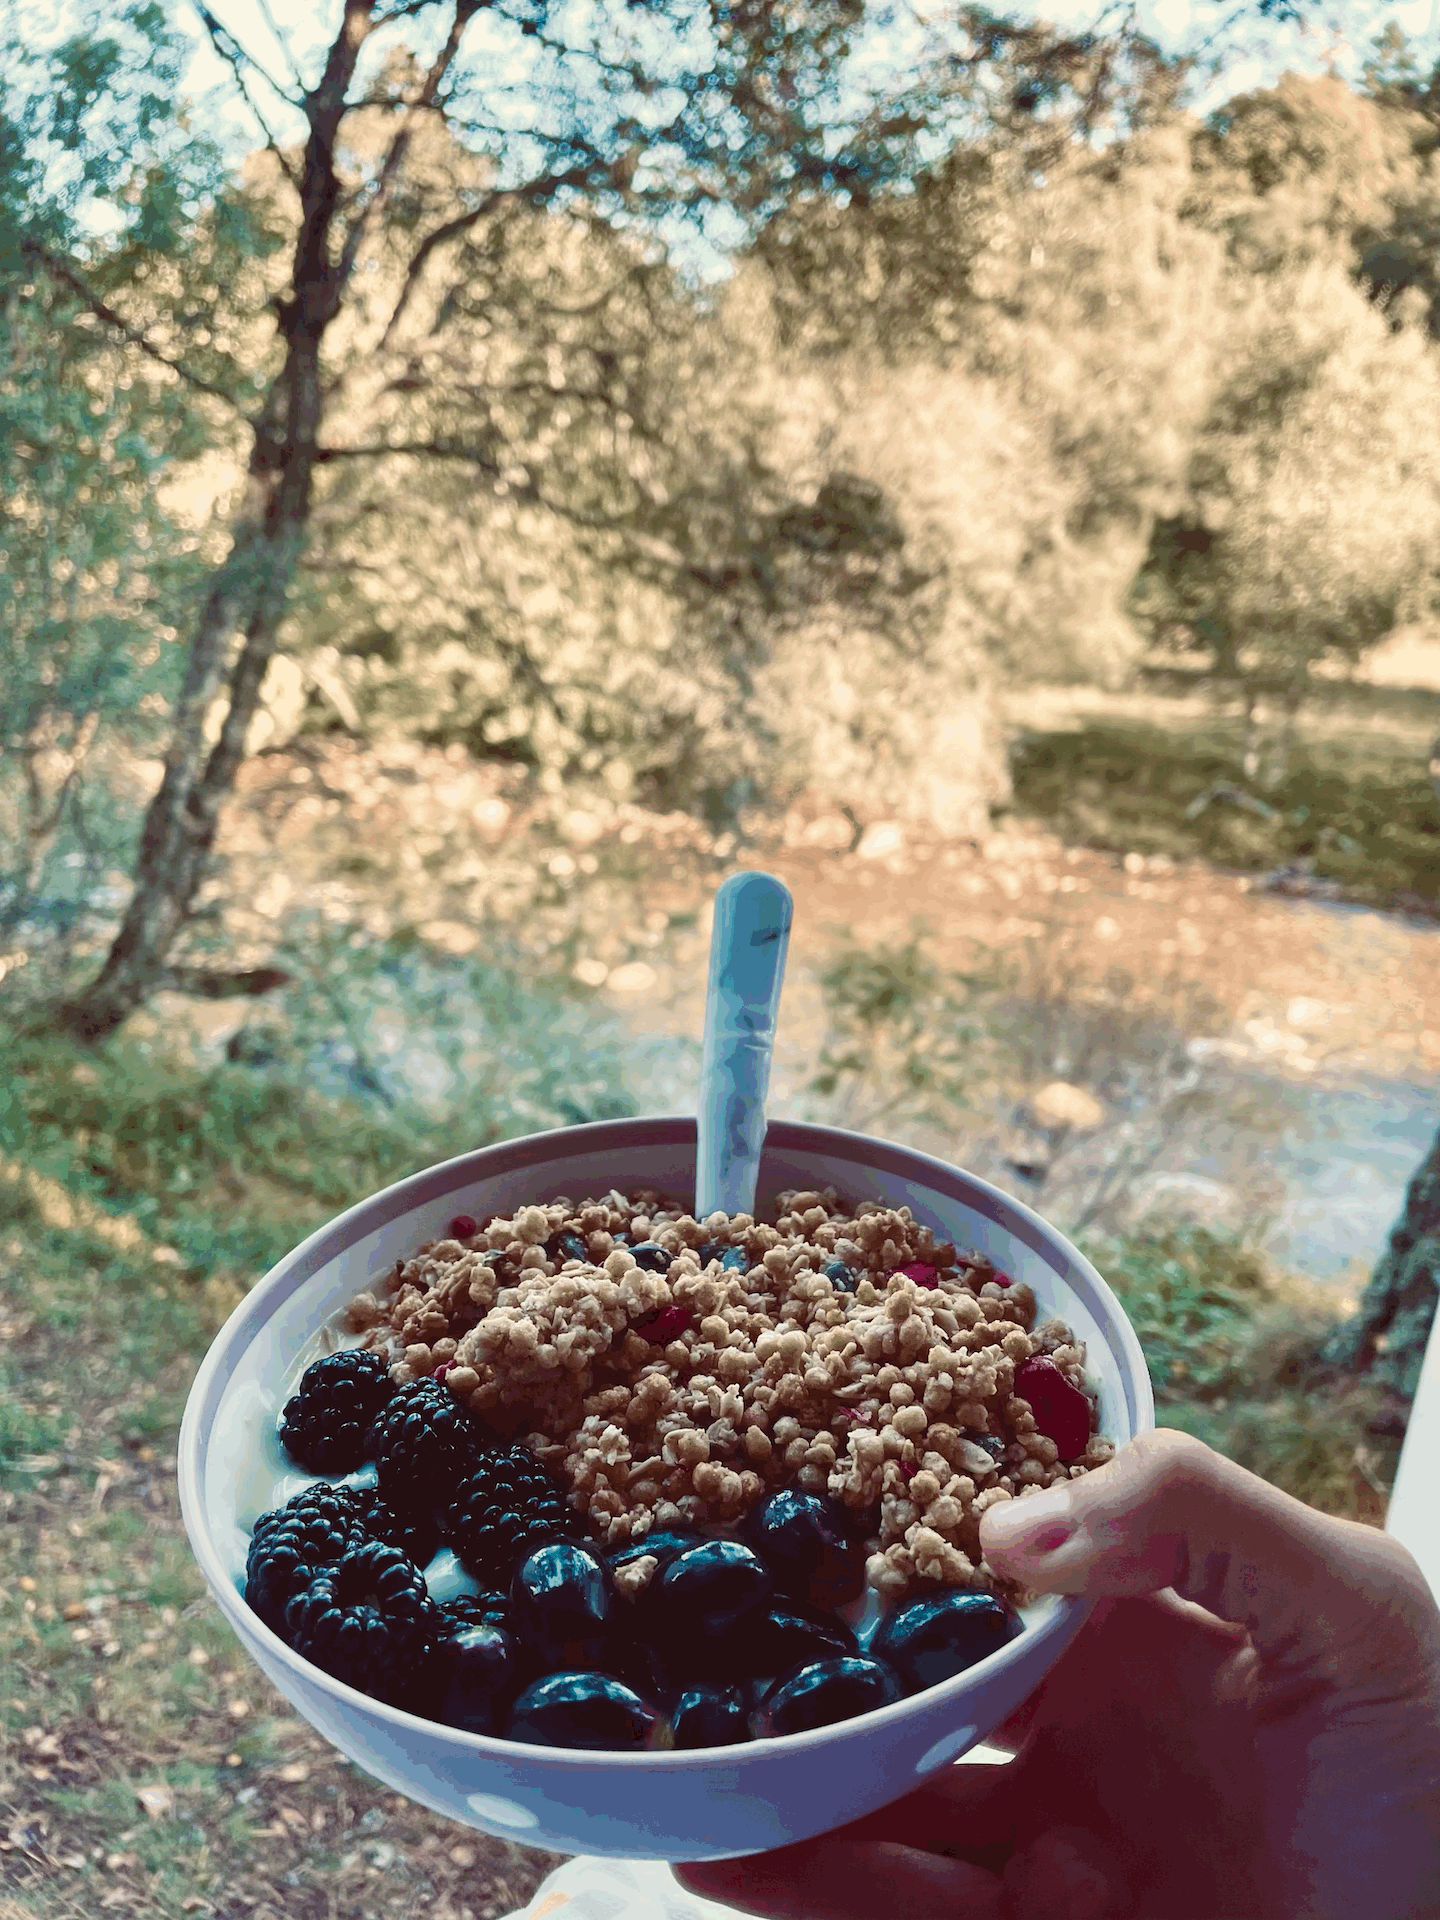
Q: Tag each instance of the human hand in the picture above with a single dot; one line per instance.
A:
(1247, 1727)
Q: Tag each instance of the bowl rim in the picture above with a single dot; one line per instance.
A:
(513, 1155)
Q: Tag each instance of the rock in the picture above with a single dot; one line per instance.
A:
(881, 839)
(634, 977)
(1061, 1104)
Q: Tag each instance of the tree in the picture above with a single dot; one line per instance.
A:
(1385, 1339)
(618, 615)
(1299, 172)
(1314, 483)
(94, 568)
(669, 113)
(92, 577)
(1022, 364)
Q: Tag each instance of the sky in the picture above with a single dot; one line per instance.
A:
(1349, 27)
(1256, 54)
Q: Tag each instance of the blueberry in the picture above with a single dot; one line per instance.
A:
(704, 1591)
(840, 1276)
(652, 1256)
(563, 1594)
(992, 1445)
(569, 1246)
(824, 1692)
(732, 1259)
(709, 1717)
(478, 1673)
(789, 1634)
(807, 1543)
(929, 1640)
(592, 1710)
(666, 1543)
(628, 1657)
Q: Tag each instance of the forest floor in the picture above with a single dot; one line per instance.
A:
(145, 1767)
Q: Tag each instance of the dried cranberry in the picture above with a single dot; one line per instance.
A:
(1061, 1411)
(921, 1273)
(668, 1324)
(464, 1227)
(1001, 1278)
(909, 1469)
(440, 1372)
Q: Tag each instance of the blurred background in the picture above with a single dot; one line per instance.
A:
(471, 476)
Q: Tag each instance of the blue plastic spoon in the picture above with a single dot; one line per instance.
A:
(747, 966)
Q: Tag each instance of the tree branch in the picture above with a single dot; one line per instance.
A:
(533, 192)
(530, 493)
(465, 11)
(62, 271)
(218, 31)
(233, 54)
(206, 983)
(263, 9)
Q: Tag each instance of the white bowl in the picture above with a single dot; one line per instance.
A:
(670, 1806)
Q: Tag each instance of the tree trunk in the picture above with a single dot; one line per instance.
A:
(248, 594)
(1385, 1339)
(250, 590)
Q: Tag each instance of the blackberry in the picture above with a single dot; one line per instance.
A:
(467, 1610)
(291, 1543)
(416, 1532)
(423, 1444)
(366, 1619)
(504, 1510)
(324, 1424)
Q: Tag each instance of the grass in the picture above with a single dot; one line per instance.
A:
(1346, 809)
(1232, 1348)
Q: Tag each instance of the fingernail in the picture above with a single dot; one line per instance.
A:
(1039, 1524)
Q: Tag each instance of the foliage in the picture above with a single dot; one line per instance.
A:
(901, 1037)
(1348, 815)
(414, 167)
(610, 611)
(1029, 416)
(1005, 338)
(1234, 1357)
(95, 573)
(1314, 486)
(1191, 1297)
(1292, 175)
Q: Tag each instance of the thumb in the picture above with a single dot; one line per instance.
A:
(1325, 1601)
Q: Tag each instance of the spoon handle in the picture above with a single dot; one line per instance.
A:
(747, 965)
